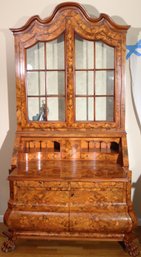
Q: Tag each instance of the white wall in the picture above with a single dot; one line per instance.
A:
(14, 14)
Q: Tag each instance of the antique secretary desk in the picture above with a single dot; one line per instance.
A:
(69, 176)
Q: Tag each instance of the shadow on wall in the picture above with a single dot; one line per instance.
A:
(133, 102)
(91, 10)
(7, 146)
(132, 39)
(137, 196)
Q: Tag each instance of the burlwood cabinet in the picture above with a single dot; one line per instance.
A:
(55, 207)
(69, 176)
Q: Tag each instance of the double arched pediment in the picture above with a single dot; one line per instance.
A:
(72, 21)
(101, 28)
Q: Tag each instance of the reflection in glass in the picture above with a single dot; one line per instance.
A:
(104, 83)
(84, 82)
(55, 82)
(35, 83)
(56, 108)
(55, 53)
(35, 57)
(84, 53)
(104, 108)
(104, 56)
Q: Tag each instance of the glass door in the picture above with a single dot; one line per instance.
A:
(45, 81)
(94, 81)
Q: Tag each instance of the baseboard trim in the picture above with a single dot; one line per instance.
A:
(1, 218)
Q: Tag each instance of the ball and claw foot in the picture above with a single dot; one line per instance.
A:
(8, 246)
(131, 246)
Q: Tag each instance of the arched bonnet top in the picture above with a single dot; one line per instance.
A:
(61, 9)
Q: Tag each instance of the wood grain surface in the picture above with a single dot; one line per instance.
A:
(81, 189)
(75, 248)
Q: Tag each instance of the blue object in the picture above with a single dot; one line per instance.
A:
(35, 117)
(132, 49)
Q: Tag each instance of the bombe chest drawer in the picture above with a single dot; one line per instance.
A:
(82, 207)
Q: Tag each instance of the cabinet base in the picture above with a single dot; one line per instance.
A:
(129, 241)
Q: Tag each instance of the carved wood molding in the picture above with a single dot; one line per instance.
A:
(69, 18)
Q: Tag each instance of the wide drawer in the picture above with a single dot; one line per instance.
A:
(100, 222)
(37, 221)
(86, 196)
(41, 198)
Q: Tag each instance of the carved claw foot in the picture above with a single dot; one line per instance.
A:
(8, 246)
(131, 245)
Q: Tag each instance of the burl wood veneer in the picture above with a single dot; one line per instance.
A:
(69, 179)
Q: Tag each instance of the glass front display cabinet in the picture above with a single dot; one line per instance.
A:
(69, 176)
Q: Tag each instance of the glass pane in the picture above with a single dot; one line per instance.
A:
(90, 108)
(35, 57)
(84, 108)
(84, 52)
(84, 82)
(56, 108)
(55, 82)
(104, 56)
(81, 109)
(35, 83)
(104, 108)
(55, 53)
(36, 108)
(104, 83)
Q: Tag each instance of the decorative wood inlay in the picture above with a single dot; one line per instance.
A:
(70, 180)
(69, 20)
